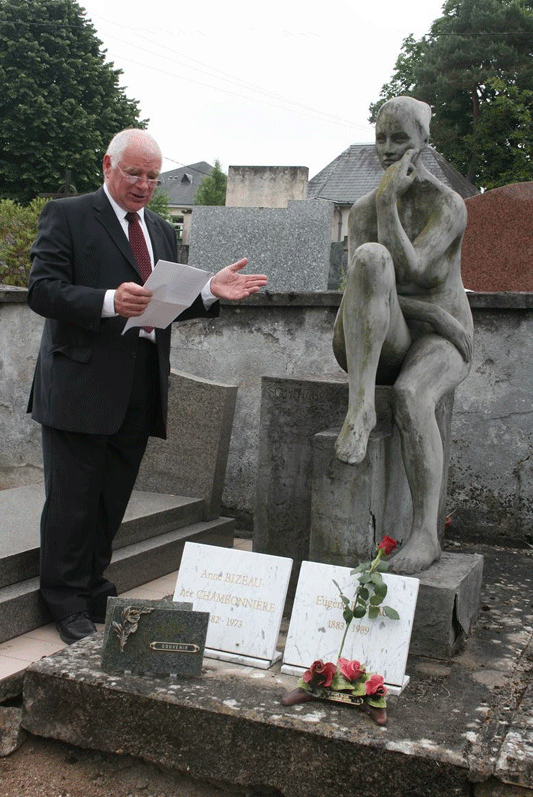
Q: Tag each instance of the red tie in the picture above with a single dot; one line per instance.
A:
(139, 248)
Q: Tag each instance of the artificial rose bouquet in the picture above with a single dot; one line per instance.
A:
(347, 677)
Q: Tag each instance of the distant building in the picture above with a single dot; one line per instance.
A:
(181, 185)
(357, 171)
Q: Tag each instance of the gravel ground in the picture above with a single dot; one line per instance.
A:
(48, 768)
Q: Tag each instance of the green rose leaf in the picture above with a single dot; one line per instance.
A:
(358, 689)
(375, 600)
(377, 702)
(359, 611)
(392, 613)
(340, 683)
(303, 684)
(348, 616)
(373, 612)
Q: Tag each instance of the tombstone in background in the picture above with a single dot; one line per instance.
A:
(192, 461)
(498, 243)
(265, 186)
(291, 245)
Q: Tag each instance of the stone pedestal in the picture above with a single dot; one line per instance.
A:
(354, 506)
(326, 500)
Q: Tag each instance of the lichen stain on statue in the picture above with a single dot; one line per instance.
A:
(405, 320)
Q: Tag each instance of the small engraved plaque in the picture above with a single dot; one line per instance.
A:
(153, 637)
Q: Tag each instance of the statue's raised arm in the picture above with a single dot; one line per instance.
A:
(404, 319)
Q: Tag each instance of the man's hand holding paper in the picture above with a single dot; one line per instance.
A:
(174, 287)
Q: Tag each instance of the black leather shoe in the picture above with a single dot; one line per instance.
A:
(75, 627)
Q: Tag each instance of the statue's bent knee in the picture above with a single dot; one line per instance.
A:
(371, 260)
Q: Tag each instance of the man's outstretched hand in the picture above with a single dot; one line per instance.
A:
(229, 283)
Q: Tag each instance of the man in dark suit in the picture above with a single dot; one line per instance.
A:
(100, 394)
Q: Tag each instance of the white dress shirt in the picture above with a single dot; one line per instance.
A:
(108, 308)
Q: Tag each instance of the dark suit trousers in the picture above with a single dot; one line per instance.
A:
(88, 483)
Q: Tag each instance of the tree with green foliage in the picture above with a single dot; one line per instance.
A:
(160, 204)
(60, 103)
(18, 228)
(212, 189)
(475, 68)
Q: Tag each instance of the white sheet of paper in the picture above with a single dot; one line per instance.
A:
(175, 287)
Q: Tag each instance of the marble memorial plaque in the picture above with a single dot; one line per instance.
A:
(317, 625)
(153, 637)
(244, 593)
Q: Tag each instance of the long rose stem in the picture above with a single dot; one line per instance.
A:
(373, 566)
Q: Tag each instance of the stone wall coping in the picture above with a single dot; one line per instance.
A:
(495, 301)
(487, 301)
(9, 294)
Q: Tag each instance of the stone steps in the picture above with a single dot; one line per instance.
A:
(149, 544)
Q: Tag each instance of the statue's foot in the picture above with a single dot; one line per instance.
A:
(379, 715)
(351, 444)
(296, 696)
(419, 553)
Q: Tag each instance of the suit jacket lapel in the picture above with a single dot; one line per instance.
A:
(107, 217)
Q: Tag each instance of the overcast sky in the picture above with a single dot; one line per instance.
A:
(286, 82)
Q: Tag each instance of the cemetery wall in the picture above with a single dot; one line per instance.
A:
(491, 473)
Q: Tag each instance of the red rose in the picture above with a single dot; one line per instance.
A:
(352, 670)
(376, 686)
(388, 545)
(320, 674)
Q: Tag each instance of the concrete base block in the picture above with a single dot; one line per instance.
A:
(448, 604)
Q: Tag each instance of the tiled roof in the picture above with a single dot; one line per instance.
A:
(357, 170)
(182, 184)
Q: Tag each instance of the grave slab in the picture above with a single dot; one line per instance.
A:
(317, 626)
(244, 593)
(444, 735)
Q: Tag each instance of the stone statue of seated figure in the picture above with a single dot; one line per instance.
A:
(405, 320)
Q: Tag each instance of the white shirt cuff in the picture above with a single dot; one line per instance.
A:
(207, 297)
(108, 307)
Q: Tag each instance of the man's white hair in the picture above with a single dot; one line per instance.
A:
(120, 142)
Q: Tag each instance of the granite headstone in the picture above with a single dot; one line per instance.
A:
(291, 245)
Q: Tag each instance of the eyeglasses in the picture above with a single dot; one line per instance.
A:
(135, 178)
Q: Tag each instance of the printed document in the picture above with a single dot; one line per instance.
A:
(174, 287)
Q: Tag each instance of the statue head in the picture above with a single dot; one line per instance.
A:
(402, 123)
